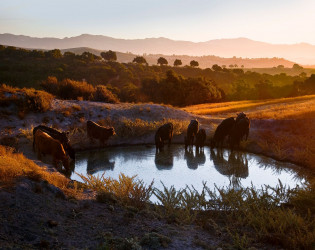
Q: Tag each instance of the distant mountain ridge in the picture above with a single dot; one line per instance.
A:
(302, 53)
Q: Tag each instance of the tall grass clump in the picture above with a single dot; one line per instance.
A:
(278, 216)
(15, 165)
(26, 100)
(128, 190)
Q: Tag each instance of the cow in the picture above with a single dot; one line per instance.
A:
(165, 132)
(62, 137)
(45, 144)
(223, 130)
(240, 116)
(239, 131)
(200, 139)
(192, 131)
(95, 131)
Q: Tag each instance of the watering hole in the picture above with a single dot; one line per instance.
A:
(177, 167)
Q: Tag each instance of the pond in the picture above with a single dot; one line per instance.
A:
(177, 167)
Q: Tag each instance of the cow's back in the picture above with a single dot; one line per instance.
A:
(47, 145)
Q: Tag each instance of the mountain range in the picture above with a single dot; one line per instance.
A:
(301, 53)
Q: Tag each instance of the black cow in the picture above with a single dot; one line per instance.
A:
(239, 131)
(192, 131)
(200, 139)
(222, 131)
(165, 132)
(62, 137)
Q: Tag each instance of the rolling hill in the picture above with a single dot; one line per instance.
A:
(240, 47)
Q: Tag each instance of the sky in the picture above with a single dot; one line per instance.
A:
(273, 21)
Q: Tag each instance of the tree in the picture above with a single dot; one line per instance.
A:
(139, 60)
(55, 53)
(109, 55)
(177, 62)
(296, 66)
(216, 67)
(280, 66)
(162, 61)
(194, 63)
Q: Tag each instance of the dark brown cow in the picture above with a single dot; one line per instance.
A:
(45, 144)
(224, 129)
(239, 131)
(165, 132)
(60, 136)
(95, 131)
(200, 139)
(192, 131)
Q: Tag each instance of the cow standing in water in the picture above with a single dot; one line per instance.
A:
(223, 130)
(192, 131)
(200, 139)
(62, 137)
(165, 132)
(95, 131)
(45, 144)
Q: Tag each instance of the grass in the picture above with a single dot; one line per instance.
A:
(282, 108)
(16, 165)
(288, 134)
(128, 190)
(280, 216)
(25, 99)
(126, 128)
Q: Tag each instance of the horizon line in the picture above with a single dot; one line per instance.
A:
(161, 37)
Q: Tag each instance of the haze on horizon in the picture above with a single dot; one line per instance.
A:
(281, 22)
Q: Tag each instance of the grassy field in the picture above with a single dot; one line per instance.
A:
(284, 108)
(282, 128)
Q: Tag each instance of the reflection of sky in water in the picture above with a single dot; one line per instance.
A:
(176, 167)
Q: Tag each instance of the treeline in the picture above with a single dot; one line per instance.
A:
(138, 82)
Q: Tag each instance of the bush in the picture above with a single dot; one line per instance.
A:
(74, 90)
(25, 99)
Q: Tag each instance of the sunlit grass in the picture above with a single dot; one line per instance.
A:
(127, 190)
(289, 136)
(265, 109)
(15, 165)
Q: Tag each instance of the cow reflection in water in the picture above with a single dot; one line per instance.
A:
(194, 160)
(99, 162)
(164, 159)
(235, 167)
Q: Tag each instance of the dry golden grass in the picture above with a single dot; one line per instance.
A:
(25, 99)
(289, 136)
(263, 109)
(15, 165)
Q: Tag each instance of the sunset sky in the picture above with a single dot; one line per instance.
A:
(281, 21)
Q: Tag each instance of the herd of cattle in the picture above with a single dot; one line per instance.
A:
(234, 129)
(50, 141)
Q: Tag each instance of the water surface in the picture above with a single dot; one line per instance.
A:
(177, 167)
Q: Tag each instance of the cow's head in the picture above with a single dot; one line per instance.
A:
(64, 138)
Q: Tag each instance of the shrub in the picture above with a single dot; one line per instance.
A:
(76, 90)
(25, 99)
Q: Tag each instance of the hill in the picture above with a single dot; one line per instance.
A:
(240, 47)
(204, 61)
